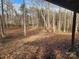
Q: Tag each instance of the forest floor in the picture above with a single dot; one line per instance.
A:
(38, 44)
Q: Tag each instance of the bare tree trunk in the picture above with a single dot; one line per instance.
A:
(65, 20)
(24, 20)
(32, 18)
(48, 19)
(68, 20)
(6, 19)
(54, 27)
(24, 26)
(44, 19)
(59, 22)
(2, 20)
(77, 22)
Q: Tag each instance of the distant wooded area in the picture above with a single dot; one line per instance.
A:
(52, 19)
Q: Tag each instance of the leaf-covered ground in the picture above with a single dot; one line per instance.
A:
(38, 44)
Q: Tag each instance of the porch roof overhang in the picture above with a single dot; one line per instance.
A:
(69, 4)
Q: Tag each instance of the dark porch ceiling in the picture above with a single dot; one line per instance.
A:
(69, 4)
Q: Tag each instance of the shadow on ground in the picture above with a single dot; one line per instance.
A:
(53, 47)
(11, 37)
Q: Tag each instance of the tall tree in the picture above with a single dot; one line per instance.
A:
(48, 19)
(77, 22)
(23, 9)
(54, 26)
(59, 20)
(65, 14)
(2, 20)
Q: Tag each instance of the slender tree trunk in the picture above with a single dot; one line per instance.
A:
(24, 26)
(2, 20)
(59, 21)
(44, 19)
(6, 21)
(32, 21)
(68, 20)
(65, 20)
(77, 22)
(24, 20)
(54, 27)
(48, 19)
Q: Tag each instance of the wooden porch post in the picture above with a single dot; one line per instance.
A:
(73, 31)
